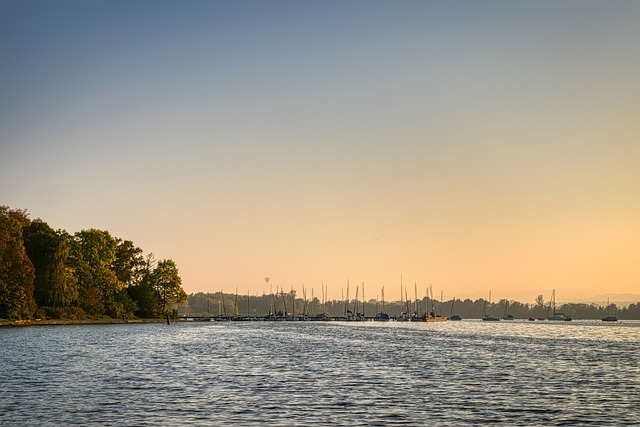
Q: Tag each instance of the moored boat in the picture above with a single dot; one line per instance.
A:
(431, 314)
(507, 316)
(402, 317)
(609, 317)
(451, 315)
(486, 317)
(433, 318)
(382, 317)
(557, 316)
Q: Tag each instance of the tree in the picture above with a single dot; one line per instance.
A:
(146, 298)
(55, 284)
(129, 264)
(167, 283)
(16, 270)
(93, 258)
(143, 293)
(539, 310)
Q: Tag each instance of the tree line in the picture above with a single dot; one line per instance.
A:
(231, 305)
(47, 273)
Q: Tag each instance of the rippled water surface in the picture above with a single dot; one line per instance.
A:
(317, 373)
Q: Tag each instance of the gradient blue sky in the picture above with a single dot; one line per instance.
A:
(473, 145)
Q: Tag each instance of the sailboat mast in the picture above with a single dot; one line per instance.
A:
(426, 302)
(401, 302)
(355, 303)
(489, 299)
(284, 301)
(453, 301)
(363, 299)
(275, 301)
(406, 301)
(484, 309)
(344, 310)
(224, 307)
(433, 305)
(304, 305)
(324, 299)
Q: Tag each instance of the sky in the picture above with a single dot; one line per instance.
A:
(473, 146)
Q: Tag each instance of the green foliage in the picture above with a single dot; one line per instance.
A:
(16, 269)
(50, 273)
(129, 264)
(126, 306)
(98, 283)
(166, 281)
(158, 290)
(55, 283)
(147, 300)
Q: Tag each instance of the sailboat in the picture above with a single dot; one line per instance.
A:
(403, 316)
(485, 316)
(557, 316)
(431, 315)
(415, 316)
(382, 316)
(451, 315)
(507, 316)
(609, 317)
(323, 316)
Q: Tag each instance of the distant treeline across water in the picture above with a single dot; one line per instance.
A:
(214, 304)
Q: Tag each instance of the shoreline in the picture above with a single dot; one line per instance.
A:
(49, 322)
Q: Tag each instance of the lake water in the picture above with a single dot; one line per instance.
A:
(317, 373)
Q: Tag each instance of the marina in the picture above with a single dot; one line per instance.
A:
(380, 317)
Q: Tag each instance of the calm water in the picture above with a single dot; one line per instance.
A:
(312, 373)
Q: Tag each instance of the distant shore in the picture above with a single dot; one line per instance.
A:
(76, 322)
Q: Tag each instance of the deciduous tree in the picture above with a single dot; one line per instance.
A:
(99, 286)
(168, 284)
(16, 270)
(55, 283)
(129, 264)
